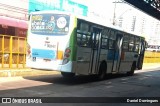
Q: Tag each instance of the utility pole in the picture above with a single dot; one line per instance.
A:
(114, 12)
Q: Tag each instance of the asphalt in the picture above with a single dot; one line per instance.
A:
(15, 72)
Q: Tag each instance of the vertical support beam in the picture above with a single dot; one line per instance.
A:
(10, 48)
(2, 51)
(24, 53)
(18, 53)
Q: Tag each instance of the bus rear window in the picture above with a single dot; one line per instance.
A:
(50, 24)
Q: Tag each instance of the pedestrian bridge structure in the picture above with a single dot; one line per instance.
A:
(151, 7)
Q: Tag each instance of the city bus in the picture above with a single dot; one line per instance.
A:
(72, 45)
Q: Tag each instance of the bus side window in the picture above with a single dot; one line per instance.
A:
(84, 27)
(85, 41)
(125, 44)
(105, 36)
(131, 43)
(104, 43)
(136, 48)
(112, 40)
(83, 34)
(78, 39)
(111, 44)
(137, 42)
(113, 35)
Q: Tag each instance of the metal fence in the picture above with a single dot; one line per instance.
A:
(152, 57)
(12, 51)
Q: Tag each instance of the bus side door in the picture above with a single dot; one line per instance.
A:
(117, 53)
(141, 54)
(83, 56)
(95, 54)
(84, 50)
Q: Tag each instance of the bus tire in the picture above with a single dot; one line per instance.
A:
(131, 72)
(67, 74)
(102, 71)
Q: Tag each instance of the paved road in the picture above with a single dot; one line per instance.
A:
(144, 83)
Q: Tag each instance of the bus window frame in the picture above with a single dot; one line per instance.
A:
(113, 44)
(137, 43)
(105, 45)
(105, 37)
(131, 43)
(112, 37)
(83, 33)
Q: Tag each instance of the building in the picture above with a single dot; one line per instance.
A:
(13, 16)
(14, 24)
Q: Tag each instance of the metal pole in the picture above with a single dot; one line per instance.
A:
(114, 14)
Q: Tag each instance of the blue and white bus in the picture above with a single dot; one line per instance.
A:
(63, 42)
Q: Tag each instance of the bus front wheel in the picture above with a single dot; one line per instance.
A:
(67, 75)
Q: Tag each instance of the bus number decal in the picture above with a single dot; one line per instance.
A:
(50, 45)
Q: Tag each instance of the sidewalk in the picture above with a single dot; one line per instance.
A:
(25, 72)
(151, 65)
(34, 72)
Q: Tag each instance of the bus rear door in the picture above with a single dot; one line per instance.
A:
(117, 53)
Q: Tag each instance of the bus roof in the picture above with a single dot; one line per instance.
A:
(109, 26)
(88, 19)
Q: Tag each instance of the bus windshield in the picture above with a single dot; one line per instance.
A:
(50, 24)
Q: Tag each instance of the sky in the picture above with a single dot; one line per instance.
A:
(103, 11)
(106, 9)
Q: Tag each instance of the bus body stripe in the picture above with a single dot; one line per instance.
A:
(60, 55)
(73, 42)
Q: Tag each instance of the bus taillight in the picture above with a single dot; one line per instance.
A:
(67, 53)
(66, 56)
(67, 50)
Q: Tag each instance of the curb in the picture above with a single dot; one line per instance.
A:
(25, 72)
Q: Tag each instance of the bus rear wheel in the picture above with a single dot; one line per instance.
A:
(102, 71)
(131, 72)
(67, 74)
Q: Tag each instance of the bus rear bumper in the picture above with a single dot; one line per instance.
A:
(67, 67)
(53, 67)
